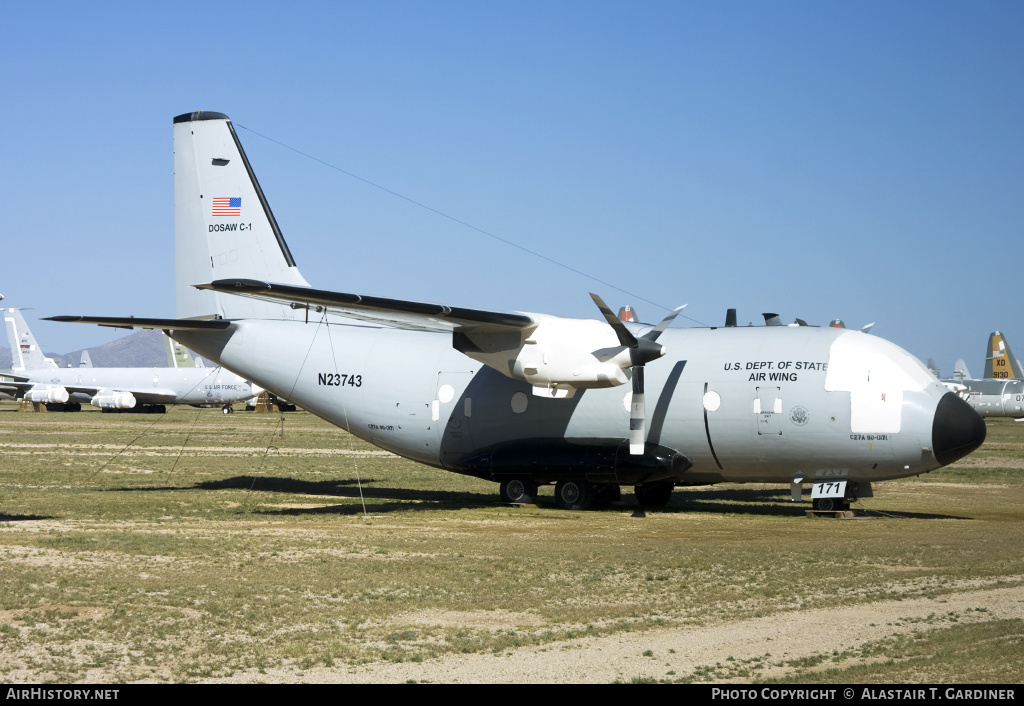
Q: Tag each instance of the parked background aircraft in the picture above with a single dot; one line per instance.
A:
(1000, 393)
(36, 378)
(528, 399)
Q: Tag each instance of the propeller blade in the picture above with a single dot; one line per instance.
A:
(637, 413)
(625, 337)
(642, 351)
(653, 334)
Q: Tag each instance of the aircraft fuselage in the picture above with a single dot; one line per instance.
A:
(993, 397)
(766, 404)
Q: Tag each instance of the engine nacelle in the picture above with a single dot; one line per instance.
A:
(113, 400)
(48, 394)
(558, 353)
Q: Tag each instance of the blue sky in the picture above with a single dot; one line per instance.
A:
(816, 159)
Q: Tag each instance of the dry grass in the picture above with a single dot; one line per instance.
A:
(197, 546)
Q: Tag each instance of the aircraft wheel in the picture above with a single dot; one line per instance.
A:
(825, 504)
(573, 494)
(654, 494)
(227, 409)
(518, 490)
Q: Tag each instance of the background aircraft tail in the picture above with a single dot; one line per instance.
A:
(25, 352)
(999, 360)
(178, 356)
(223, 225)
(85, 361)
(960, 371)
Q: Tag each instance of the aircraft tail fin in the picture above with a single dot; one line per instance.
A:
(25, 352)
(178, 356)
(86, 361)
(223, 225)
(960, 371)
(626, 313)
(999, 360)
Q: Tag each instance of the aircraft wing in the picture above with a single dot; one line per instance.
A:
(13, 389)
(387, 312)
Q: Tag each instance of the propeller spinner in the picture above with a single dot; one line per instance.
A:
(641, 352)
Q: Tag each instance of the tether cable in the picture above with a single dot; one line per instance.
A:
(344, 410)
(464, 223)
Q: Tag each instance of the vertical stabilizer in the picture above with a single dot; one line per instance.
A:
(999, 360)
(960, 371)
(25, 352)
(86, 361)
(223, 226)
(178, 356)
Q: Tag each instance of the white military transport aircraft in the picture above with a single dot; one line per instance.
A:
(36, 378)
(529, 399)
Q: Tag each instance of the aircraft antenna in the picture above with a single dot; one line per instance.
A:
(464, 223)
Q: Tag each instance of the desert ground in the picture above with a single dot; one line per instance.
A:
(200, 547)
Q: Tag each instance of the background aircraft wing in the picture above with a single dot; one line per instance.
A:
(17, 385)
(14, 385)
(145, 396)
(386, 312)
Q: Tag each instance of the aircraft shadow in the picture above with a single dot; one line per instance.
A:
(4, 517)
(378, 500)
(770, 501)
(347, 488)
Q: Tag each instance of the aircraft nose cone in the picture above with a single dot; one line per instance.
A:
(957, 429)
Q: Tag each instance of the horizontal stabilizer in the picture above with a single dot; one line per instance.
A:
(388, 312)
(133, 322)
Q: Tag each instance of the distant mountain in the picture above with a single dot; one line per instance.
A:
(142, 349)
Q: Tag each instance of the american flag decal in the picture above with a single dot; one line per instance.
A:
(227, 205)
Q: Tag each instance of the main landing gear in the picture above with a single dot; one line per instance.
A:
(518, 491)
(227, 409)
(573, 494)
(582, 494)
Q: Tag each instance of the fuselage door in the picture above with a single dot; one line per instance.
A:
(451, 412)
(768, 411)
